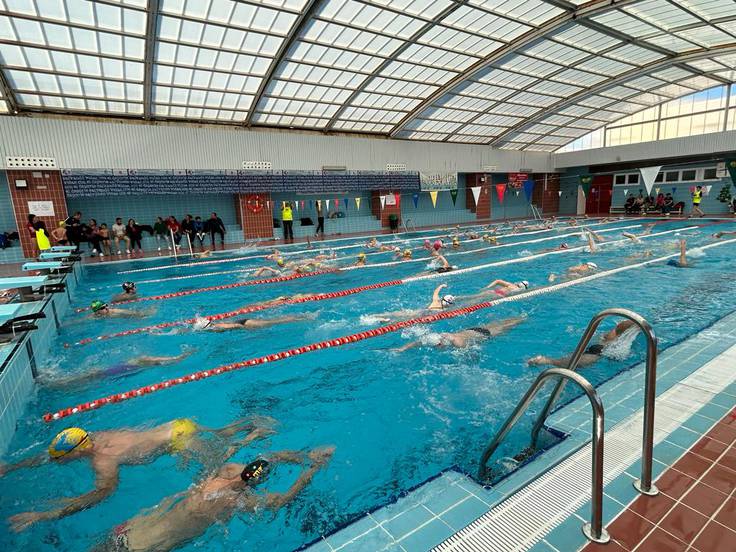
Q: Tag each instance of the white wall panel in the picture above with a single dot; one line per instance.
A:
(717, 142)
(78, 143)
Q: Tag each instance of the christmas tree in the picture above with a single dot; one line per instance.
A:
(725, 195)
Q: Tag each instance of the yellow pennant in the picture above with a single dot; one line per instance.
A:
(357, 203)
(433, 195)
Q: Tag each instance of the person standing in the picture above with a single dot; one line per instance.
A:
(118, 233)
(697, 198)
(320, 220)
(59, 234)
(135, 234)
(216, 226)
(287, 219)
(74, 229)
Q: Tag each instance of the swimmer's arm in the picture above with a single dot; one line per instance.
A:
(591, 243)
(502, 283)
(31, 462)
(436, 295)
(408, 346)
(319, 458)
(287, 457)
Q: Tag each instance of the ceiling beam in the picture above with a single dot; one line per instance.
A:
(586, 10)
(149, 56)
(8, 93)
(620, 79)
(310, 8)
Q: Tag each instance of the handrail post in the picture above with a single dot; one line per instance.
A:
(173, 243)
(593, 530)
(189, 240)
(644, 484)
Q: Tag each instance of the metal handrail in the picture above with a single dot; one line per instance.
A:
(644, 484)
(173, 243)
(594, 530)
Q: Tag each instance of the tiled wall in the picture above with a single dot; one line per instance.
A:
(256, 213)
(41, 186)
(483, 209)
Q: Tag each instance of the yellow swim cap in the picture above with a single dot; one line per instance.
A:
(361, 255)
(280, 262)
(70, 439)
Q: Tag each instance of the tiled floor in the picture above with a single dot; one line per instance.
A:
(696, 508)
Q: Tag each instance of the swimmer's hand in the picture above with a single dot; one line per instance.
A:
(21, 522)
(321, 456)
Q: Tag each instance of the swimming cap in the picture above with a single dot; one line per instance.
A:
(525, 284)
(68, 440)
(361, 255)
(448, 300)
(407, 252)
(201, 323)
(255, 472)
(280, 262)
(564, 245)
(426, 243)
(437, 245)
(128, 286)
(591, 265)
(62, 223)
(98, 305)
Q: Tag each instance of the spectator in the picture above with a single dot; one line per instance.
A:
(92, 235)
(629, 206)
(104, 233)
(320, 220)
(118, 233)
(59, 234)
(216, 226)
(31, 228)
(660, 202)
(134, 233)
(668, 205)
(174, 230)
(287, 219)
(187, 227)
(161, 231)
(199, 232)
(74, 228)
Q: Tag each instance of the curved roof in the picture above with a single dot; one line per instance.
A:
(517, 74)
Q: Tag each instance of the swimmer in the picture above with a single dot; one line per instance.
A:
(361, 259)
(682, 261)
(502, 288)
(181, 518)
(129, 292)
(591, 243)
(323, 257)
(101, 309)
(406, 254)
(455, 243)
(372, 243)
(250, 323)
(469, 336)
(273, 256)
(202, 254)
(596, 236)
(132, 366)
(490, 239)
(634, 237)
(108, 450)
(561, 247)
(444, 265)
(577, 270)
(591, 355)
(719, 235)
(437, 303)
(384, 248)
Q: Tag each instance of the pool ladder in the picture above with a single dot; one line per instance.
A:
(535, 211)
(593, 530)
(406, 227)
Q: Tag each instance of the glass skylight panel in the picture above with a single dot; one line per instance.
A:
(575, 110)
(588, 124)
(507, 79)
(557, 119)
(513, 109)
(533, 12)
(673, 90)
(458, 41)
(624, 107)
(371, 18)
(332, 34)
(445, 114)
(661, 13)
(425, 55)
(285, 106)
(367, 99)
(530, 66)
(486, 24)
(412, 135)
(540, 128)
(300, 91)
(706, 65)
(604, 66)
(523, 137)
(483, 130)
(512, 146)
(632, 26)
(585, 38)
(706, 36)
(493, 119)
(556, 52)
(467, 102)
(672, 74)
(710, 9)
(554, 140)
(330, 57)
(672, 42)
(632, 53)
(427, 9)
(619, 92)
(541, 147)
(434, 126)
(480, 90)
(568, 132)
(372, 115)
(396, 87)
(358, 126)
(596, 101)
(318, 75)
(555, 88)
(467, 139)
(289, 120)
(645, 83)
(528, 98)
(699, 82)
(417, 73)
(579, 78)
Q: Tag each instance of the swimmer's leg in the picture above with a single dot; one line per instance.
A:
(158, 361)
(563, 362)
(497, 328)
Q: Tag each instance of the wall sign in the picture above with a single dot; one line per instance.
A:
(437, 181)
(41, 208)
(516, 180)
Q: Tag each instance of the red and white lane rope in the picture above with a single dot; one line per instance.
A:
(345, 340)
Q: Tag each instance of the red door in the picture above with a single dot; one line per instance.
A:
(598, 200)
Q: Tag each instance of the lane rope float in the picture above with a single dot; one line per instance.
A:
(344, 340)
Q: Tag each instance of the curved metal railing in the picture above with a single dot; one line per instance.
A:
(644, 484)
(593, 530)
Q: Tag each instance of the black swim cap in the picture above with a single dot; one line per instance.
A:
(128, 286)
(255, 472)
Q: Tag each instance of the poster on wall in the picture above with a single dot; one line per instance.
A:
(516, 180)
(41, 208)
(390, 199)
(433, 182)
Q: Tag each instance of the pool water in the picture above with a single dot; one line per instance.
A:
(395, 419)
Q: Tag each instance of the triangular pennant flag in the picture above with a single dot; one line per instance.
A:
(303, 204)
(674, 189)
(517, 193)
(500, 191)
(383, 201)
(626, 192)
(656, 190)
(453, 195)
(476, 193)
(397, 197)
(283, 204)
(433, 195)
(528, 189)
(357, 203)
(707, 189)
(268, 205)
(649, 175)
(559, 193)
(346, 201)
(731, 166)
(585, 181)
(296, 205)
(415, 199)
(327, 202)
(337, 203)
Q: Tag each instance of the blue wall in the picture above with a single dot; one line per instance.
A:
(513, 206)
(12, 254)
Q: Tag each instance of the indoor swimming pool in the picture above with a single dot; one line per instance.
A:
(396, 418)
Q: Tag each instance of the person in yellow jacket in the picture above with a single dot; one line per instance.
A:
(287, 219)
(42, 237)
(697, 197)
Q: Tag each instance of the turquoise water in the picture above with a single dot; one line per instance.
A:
(395, 419)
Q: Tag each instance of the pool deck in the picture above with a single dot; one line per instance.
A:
(543, 505)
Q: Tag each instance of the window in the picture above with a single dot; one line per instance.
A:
(620, 179)
(673, 176)
(659, 178)
(689, 175)
(634, 178)
(710, 174)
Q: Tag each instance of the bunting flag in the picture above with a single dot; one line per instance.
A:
(415, 199)
(649, 175)
(453, 195)
(268, 205)
(559, 193)
(674, 189)
(357, 203)
(500, 191)
(626, 192)
(397, 197)
(310, 204)
(731, 166)
(346, 200)
(319, 203)
(585, 181)
(476, 193)
(517, 193)
(433, 195)
(327, 202)
(656, 190)
(296, 205)
(383, 201)
(707, 189)
(528, 189)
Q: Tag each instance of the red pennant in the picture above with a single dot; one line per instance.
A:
(398, 199)
(500, 191)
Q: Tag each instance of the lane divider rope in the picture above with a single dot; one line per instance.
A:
(344, 340)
